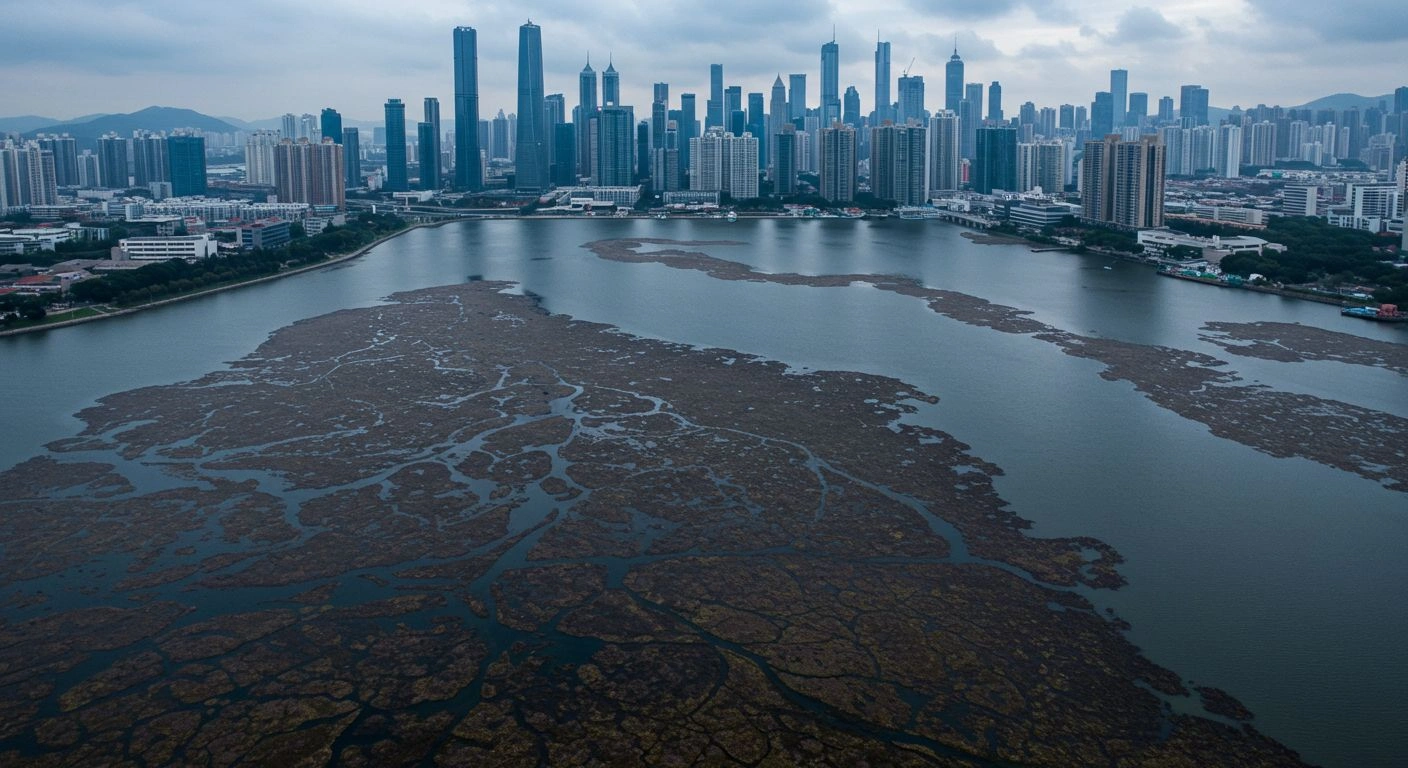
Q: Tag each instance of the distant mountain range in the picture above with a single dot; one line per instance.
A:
(25, 123)
(1343, 101)
(87, 130)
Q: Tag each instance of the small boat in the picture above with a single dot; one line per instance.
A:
(731, 216)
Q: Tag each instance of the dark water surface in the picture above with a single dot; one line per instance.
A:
(1278, 580)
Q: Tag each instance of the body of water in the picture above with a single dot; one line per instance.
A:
(1279, 580)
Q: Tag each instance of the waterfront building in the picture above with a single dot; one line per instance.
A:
(1122, 182)
(429, 171)
(945, 160)
(995, 160)
(838, 163)
(530, 159)
(468, 167)
(613, 153)
(396, 173)
(564, 167)
(777, 118)
(784, 176)
(188, 247)
(583, 115)
(898, 164)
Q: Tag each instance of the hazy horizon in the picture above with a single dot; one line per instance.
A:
(262, 59)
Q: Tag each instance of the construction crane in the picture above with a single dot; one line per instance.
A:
(911, 66)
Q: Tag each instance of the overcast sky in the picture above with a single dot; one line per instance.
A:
(260, 58)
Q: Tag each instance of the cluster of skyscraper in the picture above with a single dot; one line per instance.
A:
(32, 171)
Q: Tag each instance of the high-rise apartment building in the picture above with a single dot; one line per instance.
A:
(838, 164)
(898, 164)
(1122, 182)
(945, 160)
(65, 150)
(530, 159)
(310, 173)
(1227, 157)
(259, 157)
(112, 162)
(615, 146)
(1041, 165)
(149, 159)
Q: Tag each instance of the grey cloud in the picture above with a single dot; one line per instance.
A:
(1342, 20)
(1144, 25)
(1046, 10)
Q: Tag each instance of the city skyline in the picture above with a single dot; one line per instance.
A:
(1046, 51)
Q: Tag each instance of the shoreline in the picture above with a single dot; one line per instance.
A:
(218, 289)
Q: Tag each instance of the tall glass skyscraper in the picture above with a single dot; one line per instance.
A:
(830, 83)
(396, 146)
(882, 83)
(468, 172)
(352, 157)
(1119, 92)
(331, 125)
(185, 156)
(953, 81)
(531, 151)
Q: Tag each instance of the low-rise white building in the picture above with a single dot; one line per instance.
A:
(188, 247)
